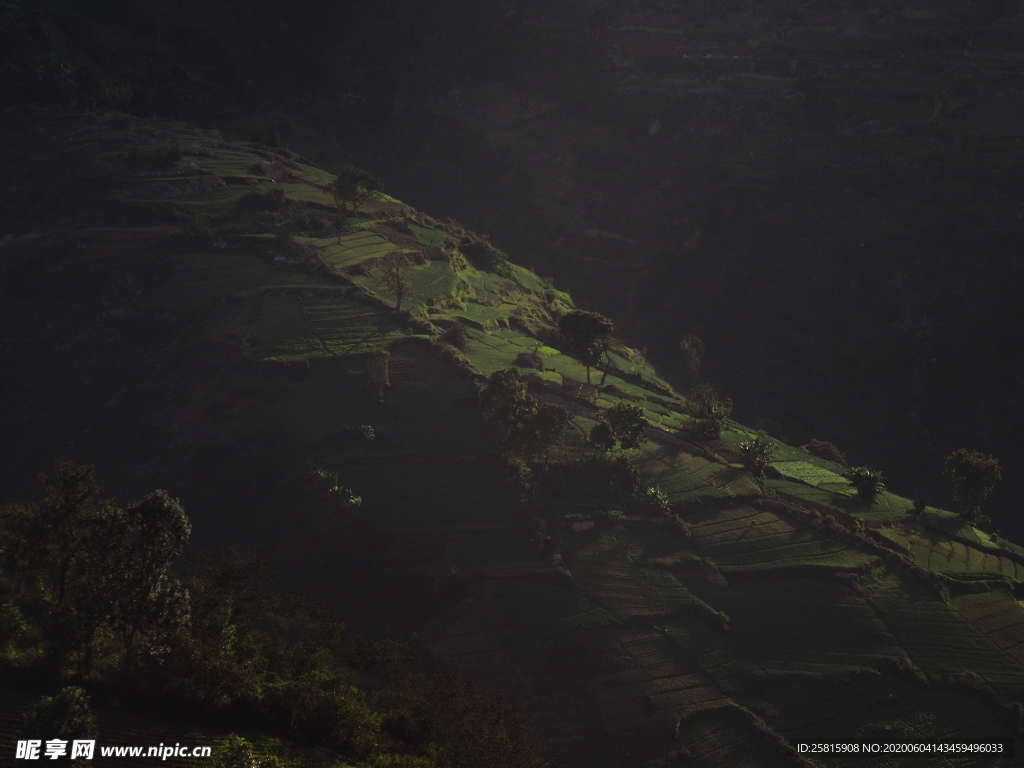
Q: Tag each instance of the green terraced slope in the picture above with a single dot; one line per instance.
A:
(221, 320)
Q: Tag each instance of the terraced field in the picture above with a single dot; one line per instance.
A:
(949, 556)
(636, 638)
(340, 254)
(746, 539)
(939, 640)
(998, 616)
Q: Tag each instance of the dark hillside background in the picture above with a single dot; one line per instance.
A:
(829, 193)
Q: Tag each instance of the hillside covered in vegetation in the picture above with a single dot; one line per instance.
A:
(439, 447)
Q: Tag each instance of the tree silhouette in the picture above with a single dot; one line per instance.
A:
(974, 476)
(586, 334)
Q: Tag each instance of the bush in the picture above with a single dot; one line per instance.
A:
(823, 449)
(868, 482)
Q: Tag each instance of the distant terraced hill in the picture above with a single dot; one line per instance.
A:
(195, 313)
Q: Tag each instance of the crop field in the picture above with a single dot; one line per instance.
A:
(794, 625)
(998, 616)
(349, 250)
(939, 639)
(878, 708)
(672, 685)
(811, 474)
(743, 539)
(497, 350)
(954, 557)
(685, 477)
(432, 238)
(727, 736)
(350, 327)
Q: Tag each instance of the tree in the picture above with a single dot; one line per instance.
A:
(542, 431)
(712, 408)
(150, 604)
(505, 404)
(351, 187)
(97, 564)
(524, 427)
(394, 273)
(68, 715)
(692, 348)
(627, 423)
(586, 334)
(868, 482)
(973, 476)
(756, 455)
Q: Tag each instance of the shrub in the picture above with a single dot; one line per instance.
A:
(825, 450)
(868, 482)
(627, 423)
(973, 476)
(756, 455)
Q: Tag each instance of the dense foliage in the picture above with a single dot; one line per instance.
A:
(756, 454)
(96, 605)
(973, 476)
(586, 334)
(523, 426)
(626, 422)
(867, 482)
